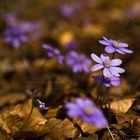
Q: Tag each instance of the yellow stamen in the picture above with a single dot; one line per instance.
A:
(106, 78)
(116, 44)
(56, 51)
(107, 63)
(88, 110)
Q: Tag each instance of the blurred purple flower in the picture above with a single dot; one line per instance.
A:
(115, 46)
(86, 110)
(78, 62)
(53, 52)
(15, 35)
(108, 66)
(10, 19)
(33, 28)
(72, 45)
(107, 81)
(133, 11)
(67, 10)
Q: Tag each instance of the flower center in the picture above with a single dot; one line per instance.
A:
(116, 44)
(88, 110)
(107, 63)
(15, 34)
(80, 59)
(106, 79)
(56, 51)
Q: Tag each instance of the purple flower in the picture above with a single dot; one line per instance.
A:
(109, 66)
(15, 35)
(53, 52)
(42, 105)
(71, 46)
(67, 10)
(107, 81)
(33, 28)
(10, 19)
(133, 11)
(78, 62)
(115, 46)
(86, 110)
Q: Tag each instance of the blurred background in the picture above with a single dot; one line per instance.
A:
(63, 24)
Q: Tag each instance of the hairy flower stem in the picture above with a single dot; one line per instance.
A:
(108, 97)
(108, 102)
(113, 56)
(98, 95)
(27, 118)
(105, 98)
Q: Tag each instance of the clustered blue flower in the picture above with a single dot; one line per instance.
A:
(110, 67)
(84, 108)
(77, 62)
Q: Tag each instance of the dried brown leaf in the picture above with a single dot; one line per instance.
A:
(87, 138)
(60, 130)
(11, 98)
(65, 84)
(122, 89)
(6, 65)
(22, 66)
(86, 127)
(121, 106)
(52, 113)
(136, 126)
(123, 118)
(13, 119)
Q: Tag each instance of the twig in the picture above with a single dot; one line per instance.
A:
(27, 118)
(110, 133)
(119, 133)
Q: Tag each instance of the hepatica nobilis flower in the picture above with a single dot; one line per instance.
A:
(42, 105)
(54, 53)
(78, 62)
(114, 46)
(37, 102)
(107, 81)
(15, 35)
(86, 110)
(109, 66)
